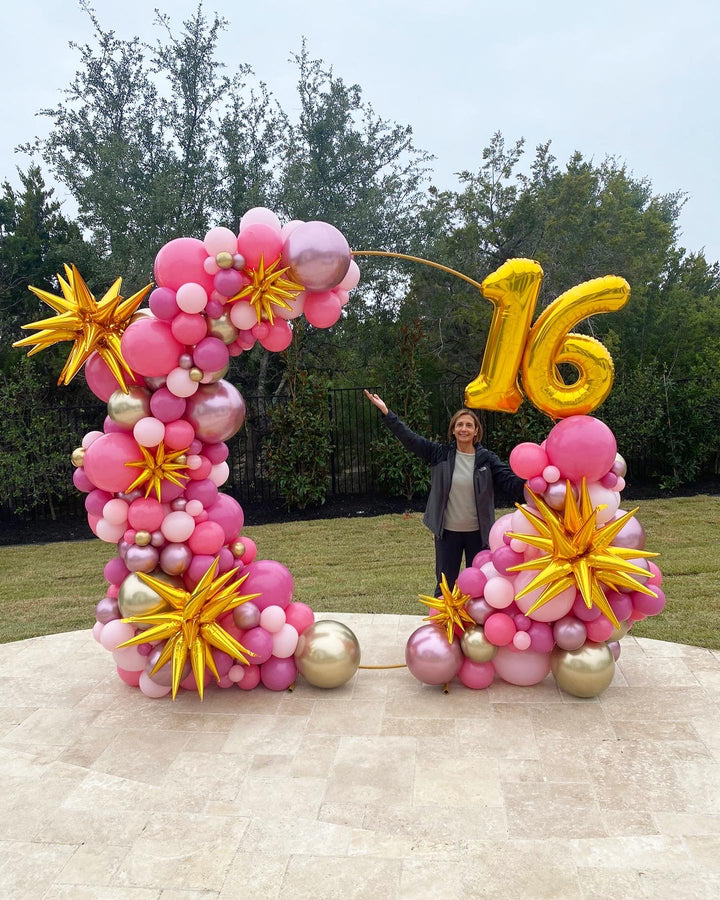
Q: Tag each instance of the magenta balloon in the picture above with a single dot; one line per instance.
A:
(521, 668)
(632, 534)
(476, 675)
(96, 500)
(197, 568)
(481, 558)
(216, 411)
(149, 347)
(541, 636)
(229, 281)
(318, 254)
(429, 656)
(210, 354)
(278, 674)
(105, 460)
(581, 446)
(581, 611)
(621, 604)
(182, 260)
(649, 606)
(271, 580)
(205, 491)
(163, 304)
(472, 581)
(246, 616)
(115, 571)
(165, 406)
(81, 481)
(505, 557)
(216, 453)
(569, 633)
(259, 642)
(227, 513)
(100, 379)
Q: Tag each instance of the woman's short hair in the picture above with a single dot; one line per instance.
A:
(466, 412)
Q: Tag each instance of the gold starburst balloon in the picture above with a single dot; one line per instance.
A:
(91, 325)
(450, 608)
(159, 465)
(268, 287)
(191, 628)
(578, 553)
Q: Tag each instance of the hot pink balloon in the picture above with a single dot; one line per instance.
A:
(101, 380)
(649, 606)
(599, 629)
(322, 309)
(499, 629)
(278, 674)
(162, 303)
(318, 254)
(182, 260)
(299, 615)
(278, 337)
(258, 641)
(227, 512)
(581, 446)
(207, 538)
(471, 581)
(271, 580)
(149, 347)
(476, 675)
(211, 354)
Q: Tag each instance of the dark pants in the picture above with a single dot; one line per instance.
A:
(449, 551)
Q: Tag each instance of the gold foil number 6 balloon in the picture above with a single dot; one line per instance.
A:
(513, 290)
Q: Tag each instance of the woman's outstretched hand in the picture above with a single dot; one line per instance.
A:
(377, 401)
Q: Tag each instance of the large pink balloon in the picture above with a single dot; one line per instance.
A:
(581, 446)
(271, 580)
(105, 461)
(216, 411)
(429, 656)
(182, 260)
(318, 254)
(227, 512)
(149, 347)
(521, 668)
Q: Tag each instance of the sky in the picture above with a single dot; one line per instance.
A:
(632, 79)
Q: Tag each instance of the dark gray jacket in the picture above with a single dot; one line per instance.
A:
(490, 474)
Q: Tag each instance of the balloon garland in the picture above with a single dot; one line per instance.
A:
(564, 579)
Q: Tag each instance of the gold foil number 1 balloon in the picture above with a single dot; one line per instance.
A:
(513, 289)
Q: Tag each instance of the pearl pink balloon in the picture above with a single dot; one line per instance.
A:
(142, 559)
(322, 309)
(581, 446)
(175, 558)
(429, 656)
(105, 461)
(524, 668)
(182, 260)
(632, 534)
(318, 254)
(247, 615)
(569, 633)
(478, 609)
(149, 347)
(216, 412)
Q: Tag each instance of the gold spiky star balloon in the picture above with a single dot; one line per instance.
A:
(450, 608)
(159, 465)
(268, 288)
(91, 324)
(578, 553)
(191, 629)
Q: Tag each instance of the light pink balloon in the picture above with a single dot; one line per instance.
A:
(499, 592)
(285, 641)
(296, 304)
(191, 297)
(555, 609)
(116, 632)
(521, 640)
(220, 240)
(551, 474)
(259, 215)
(116, 512)
(151, 688)
(272, 618)
(522, 669)
(500, 526)
(177, 526)
(181, 384)
(600, 496)
(352, 277)
(148, 432)
(108, 531)
(243, 315)
(220, 473)
(182, 260)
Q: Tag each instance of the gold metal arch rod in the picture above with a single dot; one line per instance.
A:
(418, 259)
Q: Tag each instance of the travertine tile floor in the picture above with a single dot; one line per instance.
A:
(380, 789)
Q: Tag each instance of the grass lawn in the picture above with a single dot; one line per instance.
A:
(373, 565)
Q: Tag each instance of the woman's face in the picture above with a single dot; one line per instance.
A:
(465, 430)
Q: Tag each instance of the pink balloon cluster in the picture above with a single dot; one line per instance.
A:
(516, 644)
(199, 318)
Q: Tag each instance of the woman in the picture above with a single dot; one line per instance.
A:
(464, 476)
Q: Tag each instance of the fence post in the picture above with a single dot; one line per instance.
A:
(333, 441)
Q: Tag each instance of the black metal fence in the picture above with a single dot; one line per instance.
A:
(352, 421)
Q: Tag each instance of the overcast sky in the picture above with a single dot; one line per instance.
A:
(635, 79)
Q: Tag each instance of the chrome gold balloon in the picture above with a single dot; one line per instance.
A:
(127, 409)
(327, 654)
(78, 457)
(585, 672)
(136, 598)
(142, 538)
(619, 633)
(237, 548)
(222, 328)
(224, 260)
(196, 374)
(476, 646)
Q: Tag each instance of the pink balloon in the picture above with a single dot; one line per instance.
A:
(300, 616)
(166, 406)
(471, 581)
(524, 668)
(162, 304)
(318, 254)
(115, 571)
(351, 278)
(478, 609)
(181, 260)
(505, 557)
(581, 446)
(258, 241)
(570, 633)
(528, 460)
(180, 383)
(101, 380)
(656, 573)
(151, 688)
(500, 526)
(649, 606)
(549, 612)
(177, 526)
(227, 512)
(188, 328)
(105, 461)
(279, 336)
(211, 354)
(116, 512)
(250, 679)
(260, 215)
(296, 304)
(599, 629)
(541, 637)
(476, 675)
(109, 532)
(258, 641)
(632, 534)
(284, 641)
(272, 618)
(271, 580)
(250, 550)
(207, 538)
(116, 632)
(81, 481)
(499, 592)
(499, 629)
(220, 240)
(278, 674)
(216, 412)
(322, 309)
(131, 678)
(96, 500)
(199, 565)
(179, 434)
(621, 604)
(581, 611)
(479, 560)
(243, 316)
(429, 656)
(149, 431)
(149, 347)
(204, 491)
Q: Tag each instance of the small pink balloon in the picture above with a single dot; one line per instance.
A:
(523, 669)
(521, 640)
(300, 616)
(220, 240)
(151, 688)
(581, 611)
(528, 460)
(162, 304)
(211, 354)
(177, 526)
(116, 512)
(191, 297)
(569, 633)
(109, 532)
(296, 304)
(551, 474)
(175, 558)
(537, 484)
(179, 434)
(229, 282)
(247, 615)
(166, 406)
(251, 678)
(101, 380)
(499, 629)
(116, 632)
(541, 637)
(476, 675)
(260, 215)
(555, 609)
(148, 432)
(250, 550)
(322, 309)
(284, 641)
(656, 574)
(243, 316)
(96, 501)
(479, 560)
(500, 526)
(647, 605)
(181, 384)
(621, 604)
(478, 609)
(504, 558)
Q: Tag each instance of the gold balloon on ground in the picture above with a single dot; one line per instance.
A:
(585, 672)
(327, 654)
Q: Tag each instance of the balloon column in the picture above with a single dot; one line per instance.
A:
(187, 599)
(566, 576)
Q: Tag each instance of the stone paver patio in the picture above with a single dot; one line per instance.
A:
(380, 789)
